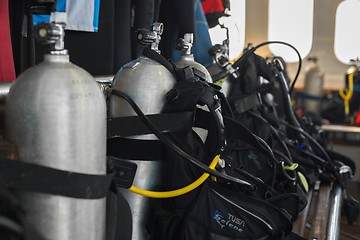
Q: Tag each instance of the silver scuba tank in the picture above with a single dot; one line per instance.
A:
(146, 82)
(187, 59)
(56, 116)
(313, 86)
(143, 79)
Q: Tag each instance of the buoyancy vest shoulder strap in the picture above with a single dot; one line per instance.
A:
(189, 91)
(187, 95)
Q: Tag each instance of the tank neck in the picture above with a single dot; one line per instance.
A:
(188, 57)
(56, 58)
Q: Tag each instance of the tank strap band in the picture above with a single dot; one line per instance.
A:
(165, 122)
(30, 177)
(135, 149)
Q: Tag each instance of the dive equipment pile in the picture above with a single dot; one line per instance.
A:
(172, 155)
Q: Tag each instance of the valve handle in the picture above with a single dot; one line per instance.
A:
(145, 36)
(151, 37)
(52, 33)
(47, 33)
(181, 44)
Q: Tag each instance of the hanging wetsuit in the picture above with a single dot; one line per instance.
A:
(95, 51)
(144, 15)
(178, 18)
(22, 40)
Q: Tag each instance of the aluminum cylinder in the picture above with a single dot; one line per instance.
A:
(146, 82)
(188, 60)
(56, 116)
(313, 86)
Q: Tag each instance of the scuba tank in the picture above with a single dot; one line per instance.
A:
(313, 86)
(143, 79)
(56, 116)
(187, 59)
(146, 81)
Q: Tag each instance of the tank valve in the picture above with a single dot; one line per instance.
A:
(151, 37)
(185, 43)
(53, 33)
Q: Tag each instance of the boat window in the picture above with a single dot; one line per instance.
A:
(291, 22)
(347, 35)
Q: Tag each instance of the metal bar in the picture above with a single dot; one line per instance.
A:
(4, 90)
(340, 128)
(319, 224)
(333, 228)
(5, 86)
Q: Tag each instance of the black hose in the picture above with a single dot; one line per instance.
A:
(287, 102)
(282, 155)
(11, 225)
(174, 147)
(322, 150)
(252, 50)
(276, 134)
(311, 139)
(313, 156)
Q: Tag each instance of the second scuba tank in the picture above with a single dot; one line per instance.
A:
(146, 82)
(56, 117)
(187, 59)
(143, 79)
(313, 87)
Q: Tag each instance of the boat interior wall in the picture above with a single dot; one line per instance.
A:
(323, 39)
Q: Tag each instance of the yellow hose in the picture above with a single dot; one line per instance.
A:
(177, 192)
(346, 94)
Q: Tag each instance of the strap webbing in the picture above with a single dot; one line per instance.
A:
(165, 122)
(35, 178)
(135, 149)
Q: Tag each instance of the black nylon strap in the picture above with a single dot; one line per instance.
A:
(35, 178)
(159, 58)
(165, 122)
(135, 149)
